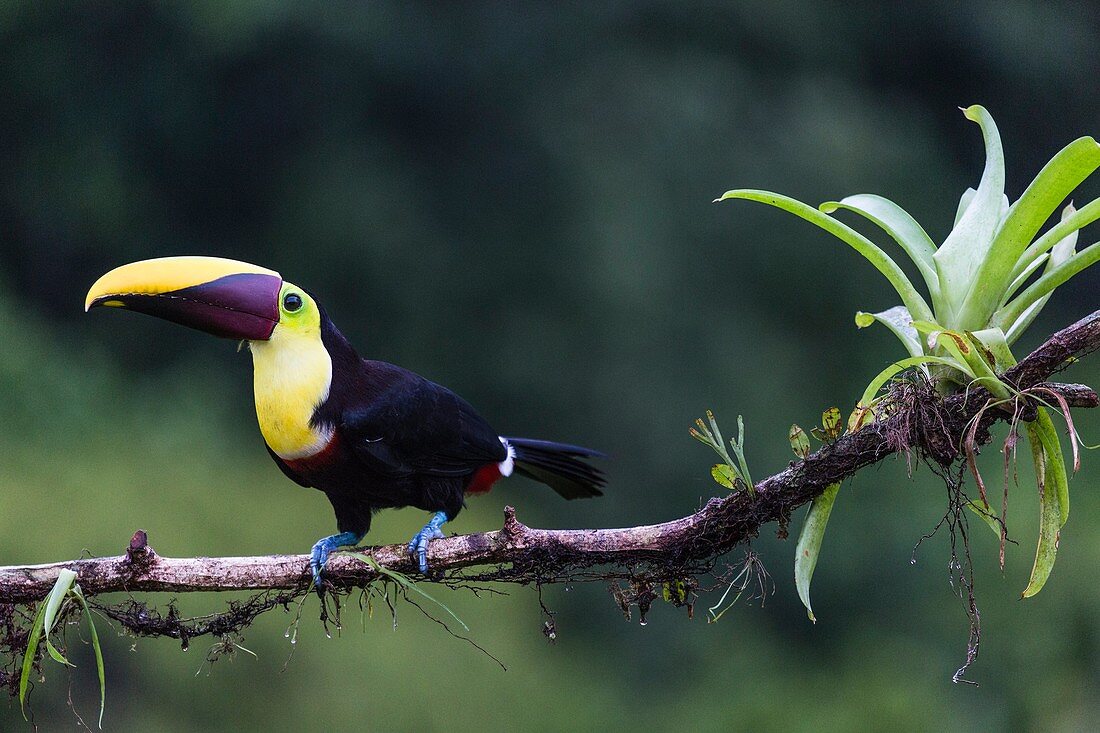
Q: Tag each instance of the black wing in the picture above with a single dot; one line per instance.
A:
(419, 427)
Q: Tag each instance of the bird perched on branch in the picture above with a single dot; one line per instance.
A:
(370, 435)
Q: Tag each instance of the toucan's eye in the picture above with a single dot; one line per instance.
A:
(292, 302)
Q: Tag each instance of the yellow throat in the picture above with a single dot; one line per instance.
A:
(293, 373)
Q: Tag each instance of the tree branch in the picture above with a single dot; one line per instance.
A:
(668, 551)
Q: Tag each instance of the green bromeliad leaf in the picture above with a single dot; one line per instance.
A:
(900, 323)
(1023, 277)
(1008, 316)
(964, 204)
(1058, 178)
(993, 341)
(961, 254)
(1072, 220)
(902, 227)
(889, 269)
(1055, 465)
(1059, 254)
(1053, 498)
(809, 544)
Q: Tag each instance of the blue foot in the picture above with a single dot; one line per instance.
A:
(418, 545)
(324, 547)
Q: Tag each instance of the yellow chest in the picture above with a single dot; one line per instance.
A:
(293, 374)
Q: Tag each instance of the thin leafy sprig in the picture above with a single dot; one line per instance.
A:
(404, 582)
(732, 474)
(53, 607)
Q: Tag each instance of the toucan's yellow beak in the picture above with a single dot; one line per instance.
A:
(219, 296)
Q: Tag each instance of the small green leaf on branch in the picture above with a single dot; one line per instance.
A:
(800, 444)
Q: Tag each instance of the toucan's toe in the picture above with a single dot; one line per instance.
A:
(324, 547)
(418, 545)
(318, 556)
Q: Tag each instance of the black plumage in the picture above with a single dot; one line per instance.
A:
(402, 440)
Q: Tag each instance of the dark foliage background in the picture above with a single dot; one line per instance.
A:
(514, 199)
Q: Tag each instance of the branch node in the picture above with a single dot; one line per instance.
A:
(139, 556)
(513, 528)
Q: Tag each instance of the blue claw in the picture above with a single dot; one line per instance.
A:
(325, 546)
(418, 545)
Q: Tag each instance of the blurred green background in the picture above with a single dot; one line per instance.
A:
(514, 199)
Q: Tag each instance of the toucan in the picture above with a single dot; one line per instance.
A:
(370, 435)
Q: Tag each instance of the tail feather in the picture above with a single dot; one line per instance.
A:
(560, 466)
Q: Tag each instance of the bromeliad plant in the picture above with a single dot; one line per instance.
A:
(985, 284)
